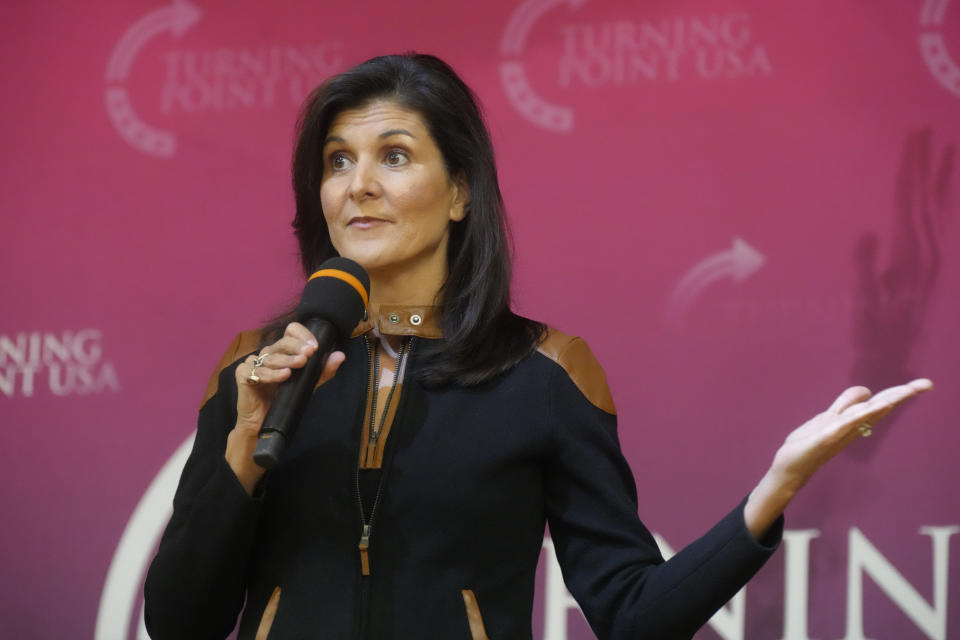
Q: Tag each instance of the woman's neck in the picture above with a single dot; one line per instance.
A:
(405, 289)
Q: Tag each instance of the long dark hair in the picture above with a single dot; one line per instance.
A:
(482, 337)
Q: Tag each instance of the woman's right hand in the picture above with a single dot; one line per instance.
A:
(254, 397)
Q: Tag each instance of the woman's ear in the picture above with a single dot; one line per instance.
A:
(461, 198)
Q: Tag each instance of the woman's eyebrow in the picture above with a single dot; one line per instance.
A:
(385, 134)
(393, 132)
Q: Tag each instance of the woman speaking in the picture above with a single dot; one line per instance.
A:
(446, 431)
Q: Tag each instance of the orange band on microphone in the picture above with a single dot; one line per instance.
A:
(349, 278)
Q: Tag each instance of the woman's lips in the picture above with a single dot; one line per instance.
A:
(365, 222)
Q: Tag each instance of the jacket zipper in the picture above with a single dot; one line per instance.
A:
(366, 526)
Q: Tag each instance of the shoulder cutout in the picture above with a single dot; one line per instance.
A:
(244, 342)
(575, 357)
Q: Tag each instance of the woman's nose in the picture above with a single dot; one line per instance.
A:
(364, 182)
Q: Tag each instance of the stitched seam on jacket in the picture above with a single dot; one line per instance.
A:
(696, 571)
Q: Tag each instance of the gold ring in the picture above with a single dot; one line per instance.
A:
(865, 429)
(253, 378)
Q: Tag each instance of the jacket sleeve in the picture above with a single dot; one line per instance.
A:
(610, 561)
(195, 585)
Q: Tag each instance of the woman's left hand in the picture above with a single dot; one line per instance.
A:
(852, 415)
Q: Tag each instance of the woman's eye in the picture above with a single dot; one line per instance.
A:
(339, 162)
(396, 157)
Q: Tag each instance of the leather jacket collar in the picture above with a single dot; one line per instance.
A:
(402, 320)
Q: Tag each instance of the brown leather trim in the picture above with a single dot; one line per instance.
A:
(244, 342)
(477, 630)
(398, 320)
(578, 361)
(269, 613)
(372, 457)
(366, 456)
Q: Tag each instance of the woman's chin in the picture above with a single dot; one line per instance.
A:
(369, 261)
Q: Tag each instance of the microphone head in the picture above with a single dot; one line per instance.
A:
(338, 292)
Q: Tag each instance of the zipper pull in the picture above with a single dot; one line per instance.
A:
(364, 546)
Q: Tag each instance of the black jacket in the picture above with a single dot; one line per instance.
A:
(469, 478)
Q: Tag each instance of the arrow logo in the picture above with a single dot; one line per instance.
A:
(738, 263)
(176, 19)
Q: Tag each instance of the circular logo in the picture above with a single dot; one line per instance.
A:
(121, 590)
(513, 76)
(933, 45)
(174, 19)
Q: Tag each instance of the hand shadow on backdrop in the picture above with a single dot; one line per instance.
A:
(891, 302)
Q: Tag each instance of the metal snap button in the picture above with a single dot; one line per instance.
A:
(416, 320)
(394, 318)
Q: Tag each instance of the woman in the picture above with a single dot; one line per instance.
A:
(445, 433)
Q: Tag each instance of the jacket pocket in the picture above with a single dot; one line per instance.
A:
(269, 613)
(477, 632)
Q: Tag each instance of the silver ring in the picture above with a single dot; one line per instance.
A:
(258, 360)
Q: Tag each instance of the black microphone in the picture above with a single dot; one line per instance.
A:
(333, 302)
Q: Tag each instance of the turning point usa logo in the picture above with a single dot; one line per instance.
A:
(631, 49)
(255, 76)
(65, 363)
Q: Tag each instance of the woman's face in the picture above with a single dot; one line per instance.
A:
(386, 195)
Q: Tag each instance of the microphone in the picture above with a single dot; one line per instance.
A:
(334, 300)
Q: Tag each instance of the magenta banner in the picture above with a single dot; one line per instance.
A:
(744, 207)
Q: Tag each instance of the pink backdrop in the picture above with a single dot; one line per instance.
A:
(743, 206)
